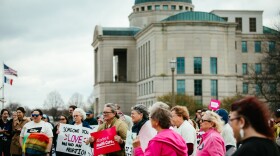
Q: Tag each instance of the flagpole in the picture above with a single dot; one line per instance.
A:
(3, 98)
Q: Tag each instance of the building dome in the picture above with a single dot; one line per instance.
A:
(195, 16)
(145, 1)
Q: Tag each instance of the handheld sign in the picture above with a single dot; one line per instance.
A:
(214, 105)
(128, 143)
(105, 142)
(71, 139)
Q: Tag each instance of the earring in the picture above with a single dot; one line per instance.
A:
(241, 132)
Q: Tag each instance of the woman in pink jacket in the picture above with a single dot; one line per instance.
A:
(212, 143)
(167, 142)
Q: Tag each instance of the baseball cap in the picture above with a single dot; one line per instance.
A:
(89, 112)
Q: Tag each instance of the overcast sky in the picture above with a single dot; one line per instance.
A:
(49, 41)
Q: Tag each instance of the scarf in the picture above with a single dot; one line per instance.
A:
(136, 127)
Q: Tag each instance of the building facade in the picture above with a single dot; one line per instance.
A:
(213, 53)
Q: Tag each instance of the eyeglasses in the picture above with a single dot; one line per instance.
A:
(107, 112)
(35, 115)
(202, 120)
(236, 118)
(62, 119)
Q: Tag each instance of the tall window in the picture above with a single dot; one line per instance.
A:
(165, 7)
(238, 20)
(253, 25)
(214, 88)
(258, 47)
(213, 65)
(272, 88)
(157, 7)
(180, 65)
(258, 68)
(244, 46)
(244, 68)
(181, 87)
(197, 65)
(272, 68)
(245, 88)
(258, 89)
(197, 87)
(173, 7)
(271, 47)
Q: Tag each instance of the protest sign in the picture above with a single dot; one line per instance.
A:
(105, 142)
(146, 133)
(71, 139)
(214, 105)
(128, 143)
(94, 128)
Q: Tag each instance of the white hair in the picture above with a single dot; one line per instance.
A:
(158, 105)
(82, 113)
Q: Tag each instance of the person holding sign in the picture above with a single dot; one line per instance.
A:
(79, 116)
(36, 126)
(111, 119)
(212, 142)
(167, 142)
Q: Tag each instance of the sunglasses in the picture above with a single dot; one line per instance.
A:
(35, 115)
(202, 120)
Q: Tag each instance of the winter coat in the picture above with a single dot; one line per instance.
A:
(166, 143)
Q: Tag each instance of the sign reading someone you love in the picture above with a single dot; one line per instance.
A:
(71, 139)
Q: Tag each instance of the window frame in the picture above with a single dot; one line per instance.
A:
(197, 65)
(253, 24)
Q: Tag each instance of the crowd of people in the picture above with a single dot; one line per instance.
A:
(248, 128)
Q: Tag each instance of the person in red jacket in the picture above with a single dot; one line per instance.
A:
(167, 142)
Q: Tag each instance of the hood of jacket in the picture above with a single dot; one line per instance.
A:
(173, 139)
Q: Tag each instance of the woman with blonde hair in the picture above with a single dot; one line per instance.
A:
(212, 142)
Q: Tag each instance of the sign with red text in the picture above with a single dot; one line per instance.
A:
(71, 139)
(214, 105)
(104, 141)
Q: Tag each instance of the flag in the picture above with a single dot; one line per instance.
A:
(9, 71)
(7, 80)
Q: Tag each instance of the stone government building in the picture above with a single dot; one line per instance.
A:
(213, 52)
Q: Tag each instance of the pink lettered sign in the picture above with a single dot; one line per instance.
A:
(214, 105)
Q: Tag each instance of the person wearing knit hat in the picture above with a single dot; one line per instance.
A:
(227, 132)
